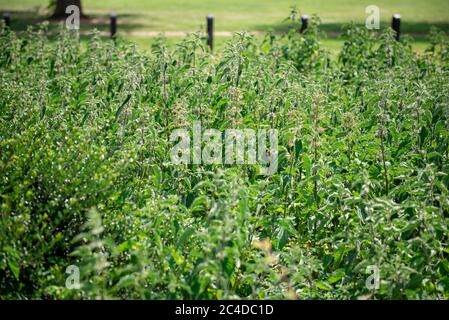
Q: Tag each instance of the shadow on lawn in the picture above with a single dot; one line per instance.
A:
(20, 20)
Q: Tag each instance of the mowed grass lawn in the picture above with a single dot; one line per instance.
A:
(237, 15)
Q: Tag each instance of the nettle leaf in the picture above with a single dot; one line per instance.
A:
(177, 257)
(307, 164)
(122, 106)
(336, 276)
(229, 265)
(323, 285)
(12, 260)
(298, 149)
(423, 134)
(327, 260)
(124, 246)
(14, 266)
(199, 205)
(283, 236)
(157, 175)
(185, 236)
(409, 228)
(415, 281)
(126, 281)
(444, 267)
(443, 285)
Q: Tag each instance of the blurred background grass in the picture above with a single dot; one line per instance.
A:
(149, 17)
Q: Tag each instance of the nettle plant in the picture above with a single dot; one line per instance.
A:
(87, 180)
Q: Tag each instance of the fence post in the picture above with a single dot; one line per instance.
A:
(7, 19)
(304, 23)
(396, 25)
(210, 32)
(113, 25)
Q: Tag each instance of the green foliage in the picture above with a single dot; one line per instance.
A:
(86, 177)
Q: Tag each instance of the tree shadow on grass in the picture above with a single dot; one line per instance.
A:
(21, 20)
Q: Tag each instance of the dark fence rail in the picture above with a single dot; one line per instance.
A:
(113, 25)
(7, 19)
(396, 25)
(210, 32)
(304, 23)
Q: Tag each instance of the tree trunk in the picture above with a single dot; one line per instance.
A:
(61, 5)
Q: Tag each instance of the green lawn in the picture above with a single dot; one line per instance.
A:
(235, 15)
